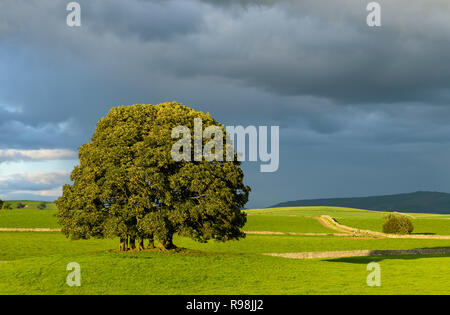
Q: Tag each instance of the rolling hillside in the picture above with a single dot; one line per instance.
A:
(417, 202)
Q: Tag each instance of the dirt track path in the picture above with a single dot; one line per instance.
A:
(330, 224)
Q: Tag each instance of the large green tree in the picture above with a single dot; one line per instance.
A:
(128, 184)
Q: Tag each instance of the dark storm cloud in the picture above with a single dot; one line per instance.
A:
(242, 3)
(148, 20)
(17, 135)
(320, 48)
(329, 51)
(125, 55)
(377, 125)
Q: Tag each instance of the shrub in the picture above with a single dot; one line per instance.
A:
(397, 224)
(42, 206)
(20, 205)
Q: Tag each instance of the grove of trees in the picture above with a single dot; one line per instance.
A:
(128, 186)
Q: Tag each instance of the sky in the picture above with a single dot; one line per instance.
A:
(362, 110)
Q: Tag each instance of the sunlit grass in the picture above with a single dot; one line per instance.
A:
(35, 262)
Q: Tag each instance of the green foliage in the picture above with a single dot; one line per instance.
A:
(397, 224)
(128, 186)
(1, 203)
(42, 206)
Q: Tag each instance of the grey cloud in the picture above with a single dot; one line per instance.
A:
(40, 181)
(20, 195)
(370, 125)
(241, 3)
(339, 59)
(17, 135)
(36, 155)
(148, 20)
(290, 48)
(301, 51)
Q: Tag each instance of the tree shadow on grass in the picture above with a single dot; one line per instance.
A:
(423, 233)
(150, 253)
(368, 259)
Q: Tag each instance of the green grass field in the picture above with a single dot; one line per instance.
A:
(35, 262)
(30, 217)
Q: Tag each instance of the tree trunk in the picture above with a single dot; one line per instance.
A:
(151, 243)
(166, 243)
(132, 243)
(140, 245)
(123, 247)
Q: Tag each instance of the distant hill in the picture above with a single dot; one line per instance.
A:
(418, 202)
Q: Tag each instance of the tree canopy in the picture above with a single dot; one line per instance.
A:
(128, 185)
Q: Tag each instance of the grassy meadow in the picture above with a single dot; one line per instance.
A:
(35, 262)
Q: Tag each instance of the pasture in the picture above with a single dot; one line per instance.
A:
(35, 262)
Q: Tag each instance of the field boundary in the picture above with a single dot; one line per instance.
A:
(294, 233)
(29, 230)
(325, 220)
(363, 253)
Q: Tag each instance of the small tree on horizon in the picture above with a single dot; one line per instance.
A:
(41, 206)
(128, 186)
